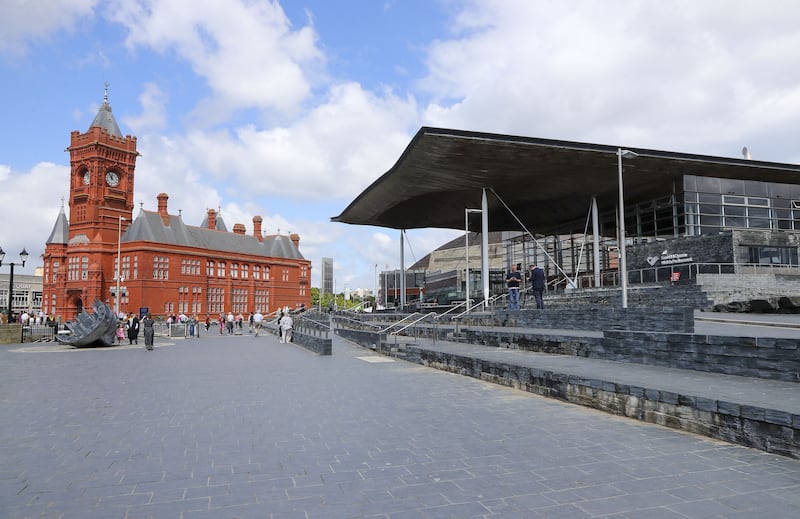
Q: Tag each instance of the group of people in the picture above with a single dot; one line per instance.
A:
(536, 280)
(129, 325)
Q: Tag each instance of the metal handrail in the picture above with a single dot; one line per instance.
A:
(409, 316)
(363, 323)
(412, 323)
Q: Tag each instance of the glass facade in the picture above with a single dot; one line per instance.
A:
(714, 204)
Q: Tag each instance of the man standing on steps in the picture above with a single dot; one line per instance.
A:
(537, 284)
(512, 280)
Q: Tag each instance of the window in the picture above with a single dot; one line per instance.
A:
(245, 271)
(126, 268)
(160, 267)
(772, 255)
(256, 272)
(85, 267)
(234, 270)
(261, 300)
(55, 270)
(209, 268)
(221, 269)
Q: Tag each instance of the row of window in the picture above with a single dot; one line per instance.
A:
(78, 269)
(215, 300)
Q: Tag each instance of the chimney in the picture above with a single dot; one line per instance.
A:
(212, 219)
(238, 228)
(257, 228)
(162, 207)
(295, 239)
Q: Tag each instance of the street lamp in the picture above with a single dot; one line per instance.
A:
(119, 271)
(623, 268)
(23, 256)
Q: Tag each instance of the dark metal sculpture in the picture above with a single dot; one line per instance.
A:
(96, 329)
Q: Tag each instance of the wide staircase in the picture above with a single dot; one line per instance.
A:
(644, 362)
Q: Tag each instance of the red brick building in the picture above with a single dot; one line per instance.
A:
(166, 265)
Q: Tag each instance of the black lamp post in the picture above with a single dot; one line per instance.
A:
(23, 256)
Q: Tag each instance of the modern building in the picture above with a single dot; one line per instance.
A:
(557, 203)
(326, 287)
(154, 261)
(27, 293)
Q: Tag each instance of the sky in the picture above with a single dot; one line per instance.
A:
(290, 109)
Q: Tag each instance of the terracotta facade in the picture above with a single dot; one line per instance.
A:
(167, 267)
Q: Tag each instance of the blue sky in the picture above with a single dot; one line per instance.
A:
(290, 109)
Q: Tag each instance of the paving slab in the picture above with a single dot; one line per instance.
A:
(238, 426)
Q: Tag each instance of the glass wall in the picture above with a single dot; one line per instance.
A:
(714, 204)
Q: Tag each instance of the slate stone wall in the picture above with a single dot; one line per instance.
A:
(663, 319)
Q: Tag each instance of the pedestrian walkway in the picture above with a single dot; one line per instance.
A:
(241, 427)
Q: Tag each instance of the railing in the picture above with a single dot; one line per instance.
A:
(401, 321)
(686, 271)
(361, 324)
(39, 333)
(308, 326)
(414, 322)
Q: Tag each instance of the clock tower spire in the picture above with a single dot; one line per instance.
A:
(102, 164)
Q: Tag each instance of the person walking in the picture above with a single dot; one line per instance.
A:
(229, 323)
(537, 285)
(133, 329)
(149, 331)
(512, 281)
(192, 323)
(258, 320)
(286, 327)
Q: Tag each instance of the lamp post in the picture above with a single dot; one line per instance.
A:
(623, 268)
(467, 211)
(119, 271)
(23, 256)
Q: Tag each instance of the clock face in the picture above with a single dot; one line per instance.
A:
(112, 179)
(86, 178)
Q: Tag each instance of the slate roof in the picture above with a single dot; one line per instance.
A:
(148, 226)
(60, 232)
(105, 119)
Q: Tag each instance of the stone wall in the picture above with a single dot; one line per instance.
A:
(762, 428)
(607, 317)
(10, 333)
(768, 358)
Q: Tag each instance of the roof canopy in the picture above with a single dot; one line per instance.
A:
(547, 184)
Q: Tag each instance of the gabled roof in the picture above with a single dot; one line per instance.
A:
(219, 223)
(60, 232)
(148, 226)
(548, 184)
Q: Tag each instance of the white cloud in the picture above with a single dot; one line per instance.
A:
(691, 76)
(23, 22)
(30, 201)
(247, 52)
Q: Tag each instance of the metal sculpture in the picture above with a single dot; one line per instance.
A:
(96, 329)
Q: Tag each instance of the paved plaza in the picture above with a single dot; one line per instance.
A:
(238, 426)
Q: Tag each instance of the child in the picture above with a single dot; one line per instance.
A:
(120, 333)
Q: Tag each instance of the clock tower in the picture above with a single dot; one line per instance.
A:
(102, 164)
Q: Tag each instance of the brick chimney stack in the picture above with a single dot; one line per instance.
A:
(212, 219)
(238, 228)
(162, 207)
(295, 239)
(257, 228)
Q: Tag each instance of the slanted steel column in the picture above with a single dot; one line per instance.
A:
(402, 271)
(485, 247)
(596, 242)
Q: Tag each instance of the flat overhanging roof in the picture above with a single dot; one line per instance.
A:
(548, 184)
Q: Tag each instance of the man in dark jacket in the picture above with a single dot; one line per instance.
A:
(536, 278)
